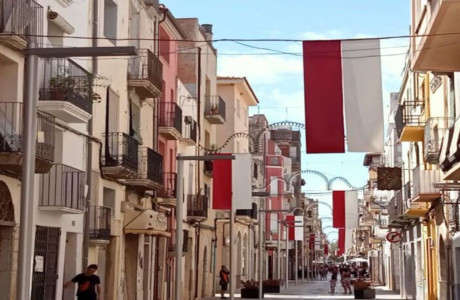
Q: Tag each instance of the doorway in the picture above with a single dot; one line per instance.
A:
(45, 263)
(6, 238)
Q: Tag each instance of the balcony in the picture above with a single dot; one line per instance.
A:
(435, 128)
(145, 74)
(11, 148)
(63, 190)
(170, 120)
(190, 131)
(247, 214)
(409, 119)
(168, 193)
(423, 185)
(434, 47)
(396, 210)
(208, 166)
(197, 208)
(21, 21)
(120, 158)
(417, 209)
(214, 110)
(375, 207)
(150, 172)
(66, 92)
(100, 219)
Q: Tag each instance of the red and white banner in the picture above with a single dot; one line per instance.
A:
(345, 209)
(229, 185)
(337, 75)
(341, 242)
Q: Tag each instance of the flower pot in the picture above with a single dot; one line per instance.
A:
(250, 293)
(271, 289)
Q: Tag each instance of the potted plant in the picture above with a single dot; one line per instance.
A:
(250, 289)
(271, 286)
(61, 86)
(362, 290)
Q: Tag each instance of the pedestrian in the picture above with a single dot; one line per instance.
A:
(333, 281)
(224, 275)
(88, 284)
(346, 280)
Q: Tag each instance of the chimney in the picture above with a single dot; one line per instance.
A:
(208, 31)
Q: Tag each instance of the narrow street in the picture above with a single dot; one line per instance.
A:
(317, 290)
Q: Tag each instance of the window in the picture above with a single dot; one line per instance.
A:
(237, 107)
(109, 200)
(135, 121)
(110, 20)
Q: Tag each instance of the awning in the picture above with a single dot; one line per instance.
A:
(148, 232)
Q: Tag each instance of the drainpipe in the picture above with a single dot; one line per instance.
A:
(89, 146)
(197, 257)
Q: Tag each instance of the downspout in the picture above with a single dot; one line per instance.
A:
(198, 125)
(197, 257)
(89, 158)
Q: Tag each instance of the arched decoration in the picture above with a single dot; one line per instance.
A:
(251, 140)
(283, 124)
(6, 204)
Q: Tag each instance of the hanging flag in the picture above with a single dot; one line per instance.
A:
(298, 230)
(241, 181)
(290, 223)
(343, 74)
(232, 182)
(222, 184)
(345, 209)
(323, 97)
(341, 242)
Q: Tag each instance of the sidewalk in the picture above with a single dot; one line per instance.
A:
(316, 290)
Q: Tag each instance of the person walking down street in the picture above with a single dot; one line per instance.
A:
(224, 275)
(333, 281)
(88, 284)
(346, 280)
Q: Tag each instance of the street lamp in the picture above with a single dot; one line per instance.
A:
(33, 54)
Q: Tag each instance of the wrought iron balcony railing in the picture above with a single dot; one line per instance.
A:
(409, 114)
(215, 109)
(120, 150)
(169, 188)
(190, 129)
(435, 128)
(23, 18)
(100, 218)
(11, 126)
(197, 206)
(62, 187)
(170, 115)
(146, 67)
(151, 165)
(65, 80)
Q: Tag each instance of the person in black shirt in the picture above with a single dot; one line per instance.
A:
(88, 284)
(224, 275)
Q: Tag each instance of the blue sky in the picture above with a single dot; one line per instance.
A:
(277, 80)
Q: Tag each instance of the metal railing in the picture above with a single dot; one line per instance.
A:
(190, 131)
(23, 18)
(65, 80)
(151, 165)
(63, 186)
(100, 218)
(169, 187)
(215, 105)
(197, 206)
(435, 128)
(120, 149)
(11, 131)
(170, 115)
(409, 114)
(146, 66)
